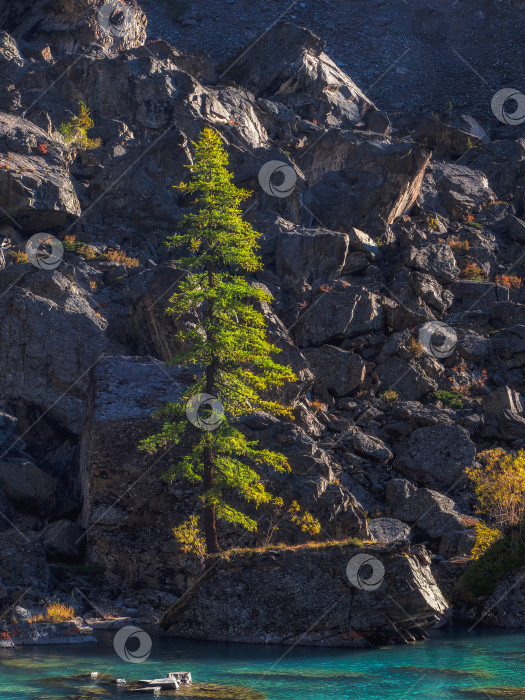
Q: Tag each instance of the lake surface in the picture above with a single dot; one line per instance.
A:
(452, 664)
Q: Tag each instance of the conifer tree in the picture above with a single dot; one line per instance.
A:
(226, 347)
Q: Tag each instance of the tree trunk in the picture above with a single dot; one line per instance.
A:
(210, 521)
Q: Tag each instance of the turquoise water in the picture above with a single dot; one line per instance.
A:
(452, 664)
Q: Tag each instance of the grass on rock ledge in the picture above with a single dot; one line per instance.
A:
(252, 551)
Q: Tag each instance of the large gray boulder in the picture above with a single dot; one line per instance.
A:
(429, 511)
(388, 530)
(457, 543)
(437, 455)
(288, 64)
(275, 597)
(359, 181)
(338, 315)
(461, 188)
(436, 259)
(305, 256)
(29, 488)
(408, 379)
(337, 372)
(51, 337)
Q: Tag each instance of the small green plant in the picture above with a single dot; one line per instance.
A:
(71, 245)
(415, 347)
(449, 398)
(19, 257)
(475, 224)
(75, 130)
(449, 106)
(389, 396)
(457, 245)
(432, 223)
(190, 539)
(474, 273)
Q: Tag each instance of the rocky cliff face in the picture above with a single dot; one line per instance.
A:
(391, 248)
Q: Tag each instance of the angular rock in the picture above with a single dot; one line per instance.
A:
(388, 530)
(363, 182)
(501, 399)
(337, 372)
(31, 489)
(461, 188)
(308, 256)
(437, 455)
(369, 445)
(338, 315)
(428, 510)
(428, 289)
(436, 259)
(288, 64)
(35, 188)
(516, 228)
(406, 378)
(51, 336)
(75, 26)
(457, 543)
(63, 541)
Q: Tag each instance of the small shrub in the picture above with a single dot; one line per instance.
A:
(474, 272)
(449, 397)
(317, 406)
(71, 245)
(432, 223)
(389, 396)
(415, 348)
(55, 612)
(120, 257)
(303, 520)
(457, 245)
(499, 484)
(75, 130)
(509, 281)
(19, 257)
(485, 538)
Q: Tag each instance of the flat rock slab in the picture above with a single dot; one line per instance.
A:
(24, 634)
